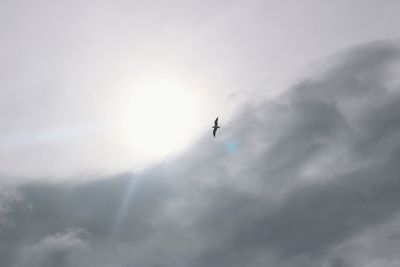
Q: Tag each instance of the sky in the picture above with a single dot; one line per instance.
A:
(106, 147)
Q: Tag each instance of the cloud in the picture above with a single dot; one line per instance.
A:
(373, 247)
(313, 178)
(55, 250)
(69, 68)
(8, 198)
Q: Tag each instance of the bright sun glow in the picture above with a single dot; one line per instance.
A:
(160, 118)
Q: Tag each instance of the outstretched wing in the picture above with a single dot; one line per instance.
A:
(216, 122)
(215, 131)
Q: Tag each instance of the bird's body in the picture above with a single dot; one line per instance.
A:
(215, 127)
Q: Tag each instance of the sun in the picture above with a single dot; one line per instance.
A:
(159, 118)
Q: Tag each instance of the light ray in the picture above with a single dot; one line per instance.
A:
(123, 207)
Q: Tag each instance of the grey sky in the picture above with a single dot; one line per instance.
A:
(63, 63)
(303, 173)
(313, 182)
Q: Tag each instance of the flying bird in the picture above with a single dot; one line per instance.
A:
(215, 126)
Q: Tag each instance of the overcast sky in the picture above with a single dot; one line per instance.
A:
(303, 172)
(65, 65)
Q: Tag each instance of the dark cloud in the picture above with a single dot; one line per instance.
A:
(313, 173)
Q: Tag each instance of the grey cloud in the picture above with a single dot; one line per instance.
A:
(375, 246)
(8, 198)
(66, 64)
(314, 172)
(60, 249)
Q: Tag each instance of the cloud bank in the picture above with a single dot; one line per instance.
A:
(309, 179)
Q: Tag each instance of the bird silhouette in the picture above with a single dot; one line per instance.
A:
(215, 126)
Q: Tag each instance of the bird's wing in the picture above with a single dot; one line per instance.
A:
(216, 121)
(215, 131)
